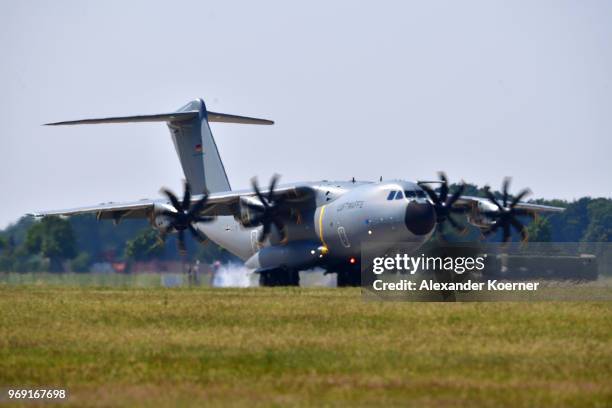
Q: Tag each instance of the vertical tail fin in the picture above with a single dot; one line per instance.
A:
(193, 141)
(197, 151)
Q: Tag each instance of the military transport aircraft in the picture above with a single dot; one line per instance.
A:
(283, 229)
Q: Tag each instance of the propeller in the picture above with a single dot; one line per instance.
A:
(443, 204)
(185, 215)
(269, 212)
(506, 214)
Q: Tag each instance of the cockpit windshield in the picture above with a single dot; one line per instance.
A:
(414, 193)
(409, 194)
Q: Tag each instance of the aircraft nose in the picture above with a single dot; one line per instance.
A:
(420, 218)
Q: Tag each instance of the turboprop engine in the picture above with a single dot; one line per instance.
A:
(180, 216)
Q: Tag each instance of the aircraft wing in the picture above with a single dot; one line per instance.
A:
(110, 210)
(226, 203)
(471, 202)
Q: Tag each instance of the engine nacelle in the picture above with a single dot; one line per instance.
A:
(161, 222)
(478, 219)
(158, 220)
(248, 209)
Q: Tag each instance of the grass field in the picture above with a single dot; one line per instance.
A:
(312, 346)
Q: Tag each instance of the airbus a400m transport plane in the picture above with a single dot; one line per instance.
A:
(282, 229)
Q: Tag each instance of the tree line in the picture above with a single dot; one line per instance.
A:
(57, 244)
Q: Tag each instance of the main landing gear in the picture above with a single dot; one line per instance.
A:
(348, 278)
(279, 277)
(348, 275)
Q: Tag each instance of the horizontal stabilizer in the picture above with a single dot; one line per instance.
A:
(169, 117)
(162, 117)
(225, 118)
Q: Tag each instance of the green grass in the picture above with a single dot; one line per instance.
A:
(314, 346)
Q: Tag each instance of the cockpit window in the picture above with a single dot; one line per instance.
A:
(391, 195)
(415, 193)
(399, 195)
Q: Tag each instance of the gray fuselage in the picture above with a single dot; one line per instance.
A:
(342, 217)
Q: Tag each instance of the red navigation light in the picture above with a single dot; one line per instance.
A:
(352, 260)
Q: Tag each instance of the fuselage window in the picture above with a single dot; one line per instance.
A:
(399, 195)
(391, 195)
(420, 194)
(410, 193)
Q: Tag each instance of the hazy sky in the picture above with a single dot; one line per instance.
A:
(480, 89)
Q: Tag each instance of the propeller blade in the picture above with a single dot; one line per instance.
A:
(456, 195)
(505, 186)
(432, 194)
(519, 227)
(261, 198)
(198, 206)
(187, 196)
(273, 182)
(197, 234)
(264, 233)
(519, 197)
(181, 242)
(175, 202)
(443, 187)
(492, 198)
(281, 228)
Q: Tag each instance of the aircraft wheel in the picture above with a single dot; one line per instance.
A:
(265, 279)
(279, 277)
(348, 278)
(293, 277)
